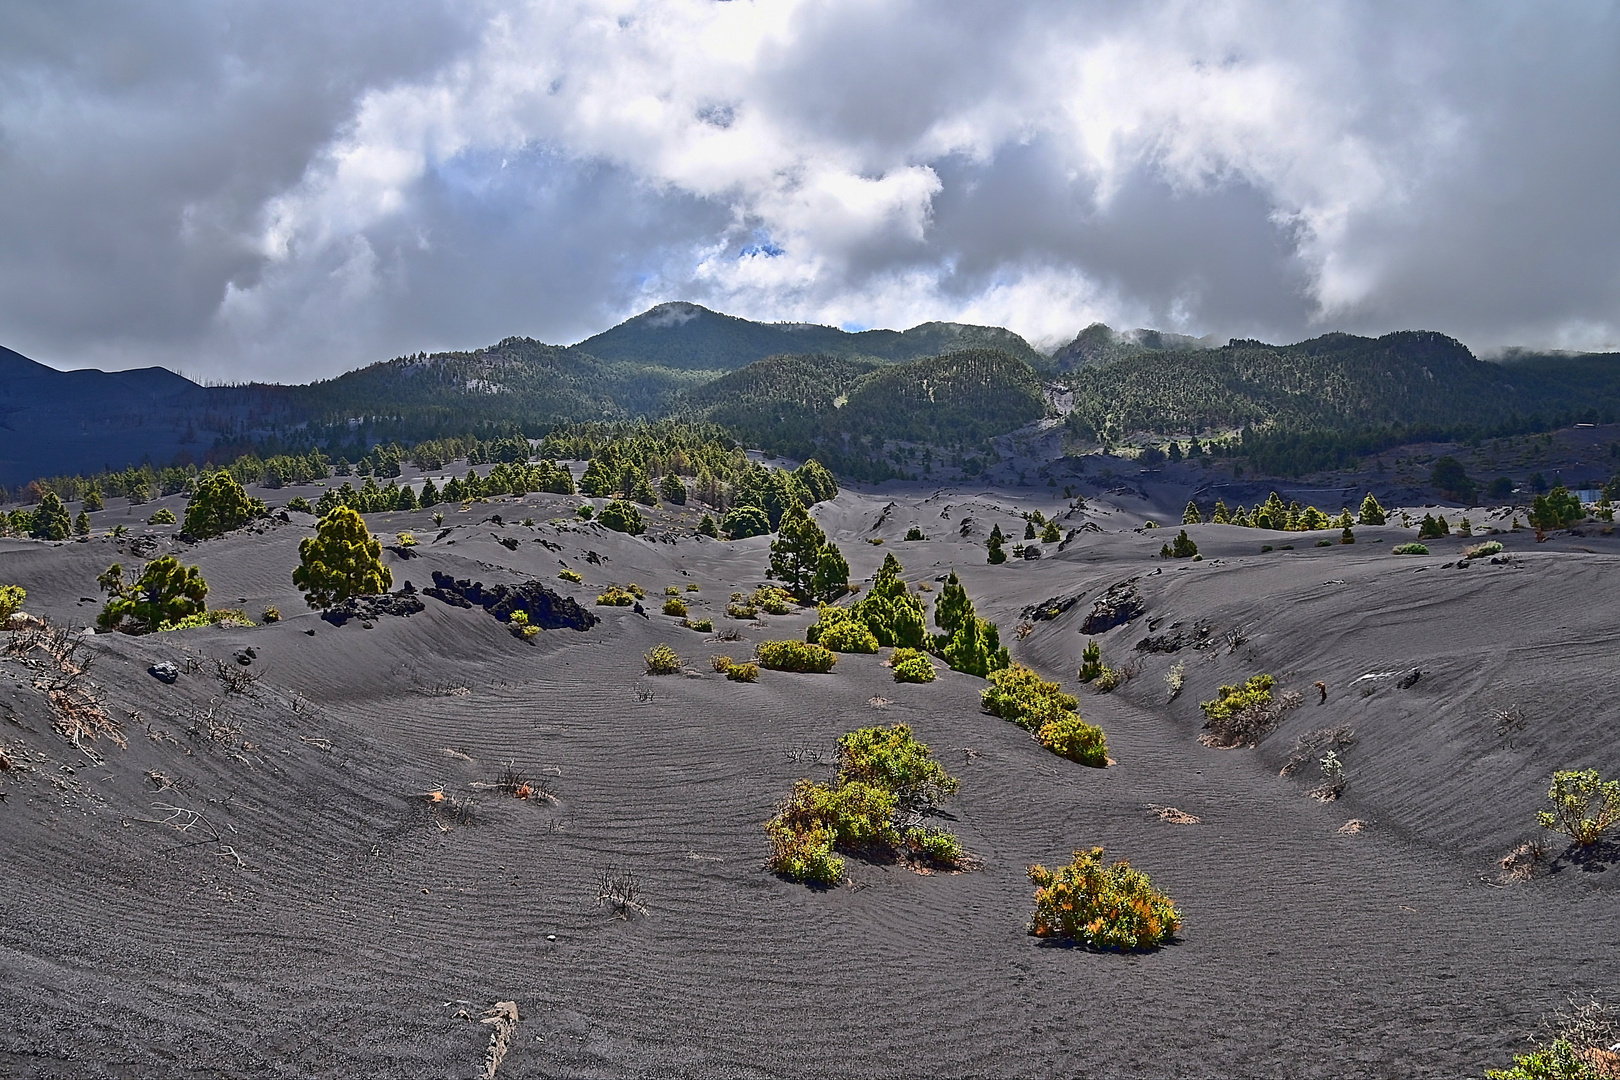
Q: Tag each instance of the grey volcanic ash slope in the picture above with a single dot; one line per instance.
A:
(258, 883)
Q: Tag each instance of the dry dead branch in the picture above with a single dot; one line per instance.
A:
(1171, 815)
(620, 893)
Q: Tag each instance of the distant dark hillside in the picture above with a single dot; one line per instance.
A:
(80, 421)
(518, 381)
(680, 335)
(1099, 344)
(1337, 381)
(844, 411)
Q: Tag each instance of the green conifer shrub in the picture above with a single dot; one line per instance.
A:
(915, 533)
(341, 560)
(995, 555)
(1371, 513)
(164, 516)
(673, 489)
(1192, 515)
(708, 528)
(81, 524)
(1029, 530)
(1051, 534)
(219, 504)
(1183, 546)
(742, 522)
(50, 519)
(1558, 509)
(621, 516)
(1348, 536)
(1091, 664)
(92, 499)
(796, 552)
(1101, 906)
(166, 593)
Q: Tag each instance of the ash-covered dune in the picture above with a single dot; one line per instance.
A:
(307, 869)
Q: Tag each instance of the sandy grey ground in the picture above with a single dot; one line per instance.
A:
(336, 926)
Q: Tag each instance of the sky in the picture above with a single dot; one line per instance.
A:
(285, 190)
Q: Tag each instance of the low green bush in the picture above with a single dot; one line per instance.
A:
(705, 626)
(1016, 693)
(938, 847)
(848, 636)
(211, 617)
(615, 597)
(1101, 906)
(164, 516)
(771, 600)
(736, 610)
(662, 660)
(570, 576)
(1558, 1060)
(1585, 806)
(915, 533)
(795, 656)
(11, 601)
(675, 606)
(1484, 551)
(891, 758)
(912, 666)
(692, 586)
(743, 672)
(1409, 549)
(882, 772)
(270, 615)
(1070, 737)
(521, 627)
(1231, 700)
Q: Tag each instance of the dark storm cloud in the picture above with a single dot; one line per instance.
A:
(285, 190)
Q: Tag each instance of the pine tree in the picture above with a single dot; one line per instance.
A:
(1348, 536)
(966, 642)
(890, 611)
(673, 489)
(1091, 664)
(1029, 530)
(621, 516)
(165, 593)
(796, 551)
(219, 504)
(1219, 517)
(953, 605)
(341, 560)
(430, 494)
(51, 521)
(993, 546)
(1191, 515)
(707, 527)
(1183, 547)
(92, 499)
(1051, 534)
(641, 491)
(831, 579)
(81, 524)
(1371, 512)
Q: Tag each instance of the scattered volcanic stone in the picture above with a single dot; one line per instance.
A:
(1409, 680)
(544, 608)
(1049, 608)
(1120, 604)
(164, 672)
(367, 608)
(1161, 643)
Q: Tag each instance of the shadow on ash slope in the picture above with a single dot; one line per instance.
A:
(314, 863)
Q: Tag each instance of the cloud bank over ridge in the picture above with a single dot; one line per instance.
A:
(256, 190)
